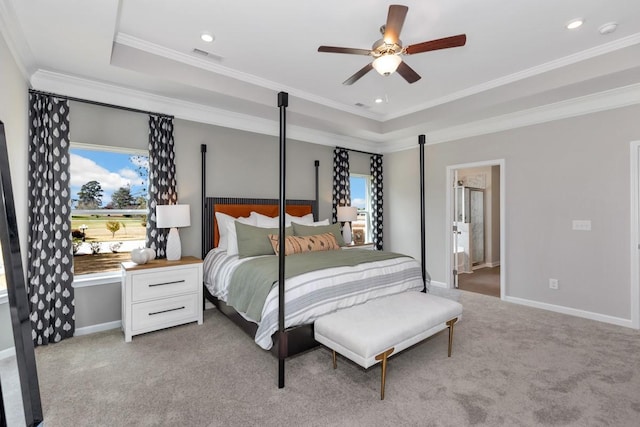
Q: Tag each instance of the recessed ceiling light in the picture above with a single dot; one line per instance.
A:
(608, 28)
(378, 100)
(575, 23)
(206, 37)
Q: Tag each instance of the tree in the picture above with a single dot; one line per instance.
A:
(122, 198)
(90, 195)
(113, 226)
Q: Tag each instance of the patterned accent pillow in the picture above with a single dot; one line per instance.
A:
(299, 244)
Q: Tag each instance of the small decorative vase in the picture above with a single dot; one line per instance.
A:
(150, 253)
(139, 256)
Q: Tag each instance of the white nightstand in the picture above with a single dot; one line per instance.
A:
(160, 294)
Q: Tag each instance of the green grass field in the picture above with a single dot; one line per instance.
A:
(131, 228)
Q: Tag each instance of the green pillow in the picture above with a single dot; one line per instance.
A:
(310, 230)
(254, 241)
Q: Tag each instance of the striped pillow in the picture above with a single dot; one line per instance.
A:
(299, 244)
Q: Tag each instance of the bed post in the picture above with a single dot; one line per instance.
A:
(283, 102)
(421, 141)
(203, 154)
(317, 202)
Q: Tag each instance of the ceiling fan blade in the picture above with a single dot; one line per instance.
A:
(408, 73)
(445, 43)
(364, 70)
(352, 51)
(395, 20)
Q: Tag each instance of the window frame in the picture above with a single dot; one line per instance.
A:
(108, 276)
(368, 238)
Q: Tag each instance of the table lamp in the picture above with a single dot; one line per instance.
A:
(347, 214)
(173, 216)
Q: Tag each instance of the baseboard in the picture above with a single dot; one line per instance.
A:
(86, 330)
(493, 264)
(572, 311)
(439, 284)
(5, 354)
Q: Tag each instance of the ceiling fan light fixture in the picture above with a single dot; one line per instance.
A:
(387, 64)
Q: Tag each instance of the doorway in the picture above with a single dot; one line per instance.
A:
(475, 220)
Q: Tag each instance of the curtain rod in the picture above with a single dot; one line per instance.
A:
(359, 151)
(101, 104)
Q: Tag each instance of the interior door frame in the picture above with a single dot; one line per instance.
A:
(635, 234)
(450, 195)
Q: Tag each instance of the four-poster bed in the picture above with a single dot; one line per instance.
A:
(289, 338)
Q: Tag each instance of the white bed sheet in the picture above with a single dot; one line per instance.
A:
(311, 295)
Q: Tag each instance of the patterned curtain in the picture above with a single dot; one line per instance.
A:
(376, 200)
(50, 257)
(162, 179)
(341, 187)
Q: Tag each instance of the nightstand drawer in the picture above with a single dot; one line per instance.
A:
(164, 313)
(162, 284)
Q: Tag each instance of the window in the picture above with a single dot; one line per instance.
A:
(361, 198)
(109, 206)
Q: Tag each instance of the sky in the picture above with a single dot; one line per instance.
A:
(112, 170)
(358, 192)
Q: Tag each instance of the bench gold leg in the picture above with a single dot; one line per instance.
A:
(383, 357)
(335, 361)
(450, 325)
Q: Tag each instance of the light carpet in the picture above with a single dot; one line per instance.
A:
(511, 365)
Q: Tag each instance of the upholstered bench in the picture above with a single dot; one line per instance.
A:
(371, 332)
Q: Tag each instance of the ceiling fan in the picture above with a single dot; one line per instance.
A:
(388, 50)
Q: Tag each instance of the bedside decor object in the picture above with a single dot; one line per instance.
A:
(358, 236)
(347, 214)
(173, 216)
(142, 255)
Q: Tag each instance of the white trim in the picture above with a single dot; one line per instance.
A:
(439, 284)
(96, 279)
(92, 329)
(375, 142)
(7, 353)
(205, 64)
(493, 264)
(109, 148)
(524, 74)
(588, 104)
(449, 179)
(12, 35)
(4, 298)
(54, 82)
(571, 311)
(635, 234)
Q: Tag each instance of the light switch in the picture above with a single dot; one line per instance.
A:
(582, 224)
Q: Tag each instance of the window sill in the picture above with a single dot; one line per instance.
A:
(95, 279)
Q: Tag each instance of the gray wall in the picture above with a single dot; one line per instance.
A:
(13, 113)
(240, 164)
(555, 172)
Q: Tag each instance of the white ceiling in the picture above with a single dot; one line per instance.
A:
(519, 61)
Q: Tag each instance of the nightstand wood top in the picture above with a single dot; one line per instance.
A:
(157, 263)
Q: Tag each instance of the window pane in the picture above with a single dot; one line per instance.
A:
(109, 201)
(361, 198)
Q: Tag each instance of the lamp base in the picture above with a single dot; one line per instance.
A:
(174, 247)
(346, 233)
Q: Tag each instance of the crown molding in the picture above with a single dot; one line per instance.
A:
(82, 88)
(194, 61)
(12, 35)
(521, 75)
(602, 101)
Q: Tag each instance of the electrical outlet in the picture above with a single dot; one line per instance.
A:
(553, 283)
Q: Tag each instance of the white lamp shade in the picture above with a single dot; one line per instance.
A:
(169, 216)
(347, 213)
(387, 64)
